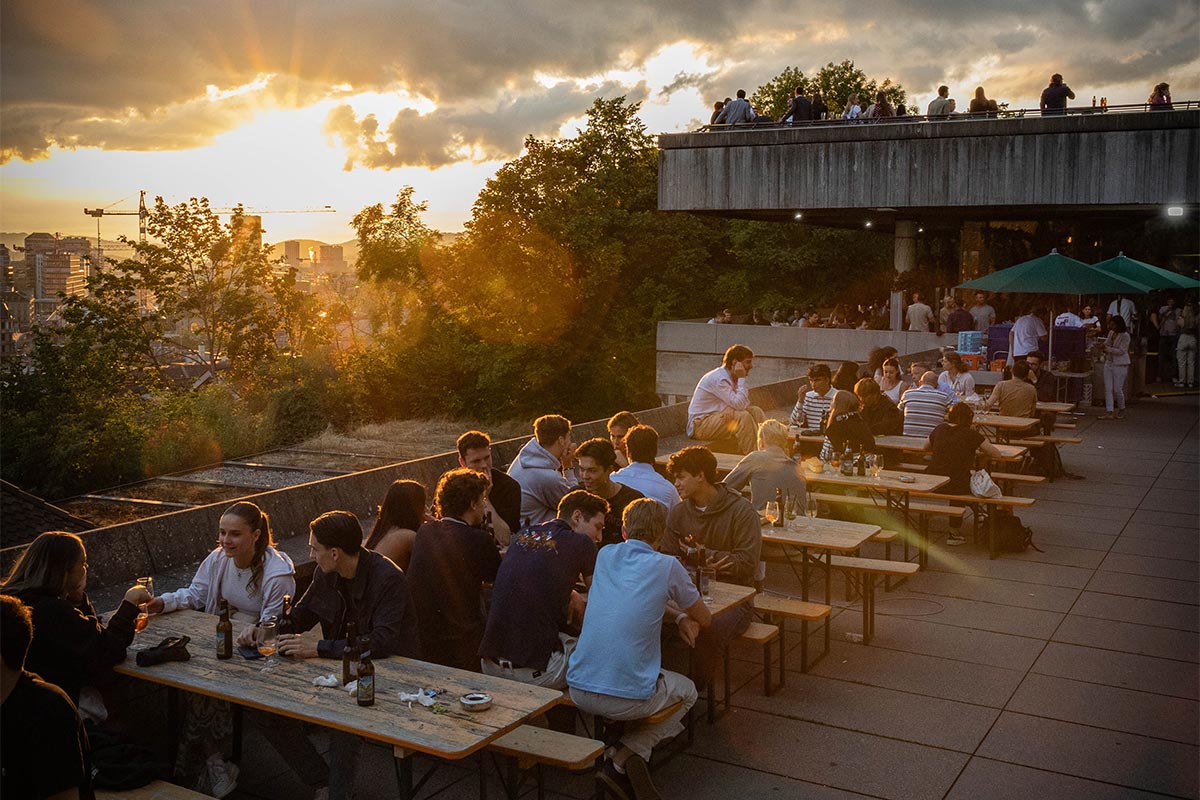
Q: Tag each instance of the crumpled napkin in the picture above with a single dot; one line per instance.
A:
(423, 696)
(326, 680)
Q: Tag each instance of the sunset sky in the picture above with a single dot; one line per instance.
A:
(292, 105)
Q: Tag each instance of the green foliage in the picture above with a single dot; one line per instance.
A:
(774, 96)
(837, 82)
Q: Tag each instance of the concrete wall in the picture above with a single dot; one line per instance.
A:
(688, 349)
(1081, 160)
(120, 553)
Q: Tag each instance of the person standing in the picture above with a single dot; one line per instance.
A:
(736, 111)
(819, 109)
(1055, 96)
(1185, 350)
(540, 465)
(1025, 335)
(920, 316)
(720, 404)
(957, 319)
(853, 109)
(982, 105)
(1116, 367)
(800, 109)
(983, 314)
(632, 589)
(1168, 340)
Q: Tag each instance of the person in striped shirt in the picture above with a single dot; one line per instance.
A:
(924, 407)
(812, 406)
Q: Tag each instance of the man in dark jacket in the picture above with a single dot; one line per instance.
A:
(800, 109)
(727, 526)
(504, 498)
(879, 412)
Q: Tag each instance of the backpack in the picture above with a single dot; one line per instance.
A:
(1012, 536)
(119, 766)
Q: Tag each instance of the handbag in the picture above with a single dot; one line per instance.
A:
(982, 484)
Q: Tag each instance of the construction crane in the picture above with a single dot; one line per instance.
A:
(255, 211)
(142, 214)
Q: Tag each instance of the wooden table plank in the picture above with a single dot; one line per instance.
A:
(916, 444)
(1001, 422)
(821, 534)
(287, 690)
(1057, 408)
(888, 480)
(724, 596)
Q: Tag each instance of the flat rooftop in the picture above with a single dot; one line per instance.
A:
(1067, 673)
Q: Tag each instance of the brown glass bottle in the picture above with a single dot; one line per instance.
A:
(287, 625)
(224, 633)
(365, 693)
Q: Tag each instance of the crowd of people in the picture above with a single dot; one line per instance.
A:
(582, 546)
(811, 107)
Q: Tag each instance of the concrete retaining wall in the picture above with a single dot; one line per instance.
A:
(688, 349)
(120, 553)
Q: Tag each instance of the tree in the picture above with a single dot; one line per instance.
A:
(835, 82)
(774, 96)
(208, 280)
(390, 242)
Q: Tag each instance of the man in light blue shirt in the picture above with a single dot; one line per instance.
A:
(641, 445)
(633, 588)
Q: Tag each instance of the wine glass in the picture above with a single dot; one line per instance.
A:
(268, 630)
(875, 464)
(772, 511)
(810, 507)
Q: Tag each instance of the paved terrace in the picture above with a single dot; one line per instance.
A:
(1070, 673)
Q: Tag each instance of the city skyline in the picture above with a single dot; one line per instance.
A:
(285, 106)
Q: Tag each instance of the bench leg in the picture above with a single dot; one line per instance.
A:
(727, 681)
(237, 734)
(767, 669)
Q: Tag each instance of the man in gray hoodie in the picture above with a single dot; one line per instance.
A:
(727, 526)
(539, 468)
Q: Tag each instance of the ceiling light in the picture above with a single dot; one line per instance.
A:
(1174, 211)
(920, 230)
(799, 215)
(867, 224)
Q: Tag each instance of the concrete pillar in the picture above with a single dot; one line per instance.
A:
(905, 256)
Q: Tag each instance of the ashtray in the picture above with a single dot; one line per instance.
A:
(907, 479)
(476, 701)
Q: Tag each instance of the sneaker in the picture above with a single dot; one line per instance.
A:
(1178, 384)
(614, 782)
(955, 541)
(638, 773)
(222, 777)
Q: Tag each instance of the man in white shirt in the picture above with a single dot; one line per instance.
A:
(920, 316)
(1024, 335)
(641, 443)
(942, 105)
(1123, 306)
(721, 402)
(924, 407)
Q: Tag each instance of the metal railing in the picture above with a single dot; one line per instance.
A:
(909, 119)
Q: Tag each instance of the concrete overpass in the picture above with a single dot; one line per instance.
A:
(901, 175)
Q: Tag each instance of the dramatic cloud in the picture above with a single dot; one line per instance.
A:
(465, 131)
(122, 75)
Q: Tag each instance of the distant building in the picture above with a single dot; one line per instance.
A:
(328, 259)
(6, 269)
(19, 308)
(248, 229)
(291, 253)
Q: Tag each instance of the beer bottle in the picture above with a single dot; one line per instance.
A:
(365, 692)
(861, 471)
(778, 523)
(349, 653)
(847, 462)
(224, 633)
(287, 625)
(488, 527)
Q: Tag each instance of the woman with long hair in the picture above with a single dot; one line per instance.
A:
(980, 104)
(247, 572)
(954, 444)
(956, 377)
(845, 427)
(71, 648)
(1116, 367)
(891, 379)
(400, 515)
(846, 376)
(875, 360)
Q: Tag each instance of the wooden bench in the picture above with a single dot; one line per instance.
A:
(1005, 480)
(760, 633)
(773, 607)
(530, 748)
(990, 506)
(1056, 439)
(923, 511)
(866, 570)
(157, 790)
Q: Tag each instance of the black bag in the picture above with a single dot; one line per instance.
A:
(119, 766)
(1012, 536)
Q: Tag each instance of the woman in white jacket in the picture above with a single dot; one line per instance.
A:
(252, 576)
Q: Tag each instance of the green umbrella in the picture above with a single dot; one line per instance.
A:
(1152, 276)
(1055, 274)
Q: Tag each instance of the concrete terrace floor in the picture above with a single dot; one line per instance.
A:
(1069, 673)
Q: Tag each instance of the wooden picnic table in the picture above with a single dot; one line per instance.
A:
(1056, 408)
(724, 596)
(287, 689)
(823, 535)
(916, 444)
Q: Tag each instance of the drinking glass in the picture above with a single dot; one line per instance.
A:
(810, 507)
(772, 511)
(875, 464)
(707, 576)
(267, 641)
(143, 617)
